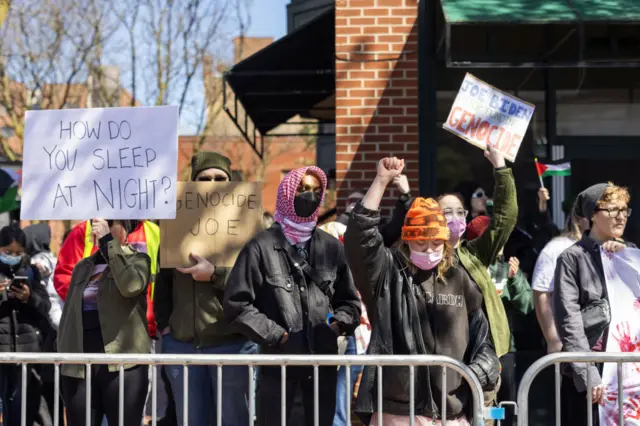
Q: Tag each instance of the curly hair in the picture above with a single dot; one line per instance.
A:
(614, 194)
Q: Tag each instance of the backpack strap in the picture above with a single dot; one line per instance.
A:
(300, 263)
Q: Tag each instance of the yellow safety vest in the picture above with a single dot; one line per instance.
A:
(152, 238)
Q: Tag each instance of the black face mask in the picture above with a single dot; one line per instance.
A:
(306, 203)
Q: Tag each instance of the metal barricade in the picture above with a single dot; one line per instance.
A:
(251, 361)
(570, 357)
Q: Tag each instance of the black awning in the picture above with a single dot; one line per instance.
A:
(289, 77)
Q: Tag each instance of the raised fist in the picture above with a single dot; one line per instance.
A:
(389, 168)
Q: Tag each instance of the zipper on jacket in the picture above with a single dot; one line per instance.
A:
(423, 349)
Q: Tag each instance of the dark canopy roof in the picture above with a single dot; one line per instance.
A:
(288, 77)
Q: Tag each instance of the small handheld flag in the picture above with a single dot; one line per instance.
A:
(544, 170)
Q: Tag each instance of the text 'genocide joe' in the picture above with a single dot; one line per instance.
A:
(211, 226)
(114, 192)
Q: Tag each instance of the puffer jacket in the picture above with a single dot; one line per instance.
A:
(23, 325)
(388, 290)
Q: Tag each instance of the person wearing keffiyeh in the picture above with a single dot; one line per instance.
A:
(284, 284)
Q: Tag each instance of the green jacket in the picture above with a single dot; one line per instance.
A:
(477, 255)
(515, 292)
(122, 306)
(192, 309)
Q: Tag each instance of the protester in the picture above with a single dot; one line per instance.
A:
(542, 283)
(280, 291)
(105, 312)
(474, 197)
(418, 318)
(188, 304)
(514, 290)
(24, 311)
(38, 241)
(79, 244)
(391, 229)
(478, 255)
(580, 295)
(353, 345)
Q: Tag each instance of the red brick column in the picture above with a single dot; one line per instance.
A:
(376, 91)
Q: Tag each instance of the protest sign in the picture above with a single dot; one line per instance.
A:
(483, 115)
(114, 163)
(213, 220)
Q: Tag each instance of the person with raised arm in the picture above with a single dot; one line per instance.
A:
(416, 296)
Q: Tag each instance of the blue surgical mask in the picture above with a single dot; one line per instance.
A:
(9, 259)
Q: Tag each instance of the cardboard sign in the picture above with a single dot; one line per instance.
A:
(483, 115)
(213, 220)
(114, 163)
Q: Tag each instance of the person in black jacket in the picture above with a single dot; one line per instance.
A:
(419, 302)
(580, 286)
(284, 284)
(24, 310)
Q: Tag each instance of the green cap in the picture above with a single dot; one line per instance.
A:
(209, 160)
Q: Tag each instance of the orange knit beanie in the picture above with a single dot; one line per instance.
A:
(425, 221)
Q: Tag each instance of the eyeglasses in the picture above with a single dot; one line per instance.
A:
(615, 212)
(478, 194)
(216, 179)
(450, 213)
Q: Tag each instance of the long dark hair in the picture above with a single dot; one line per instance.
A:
(13, 233)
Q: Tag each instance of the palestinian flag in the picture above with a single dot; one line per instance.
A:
(544, 170)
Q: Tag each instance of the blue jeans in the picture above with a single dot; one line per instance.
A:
(203, 384)
(340, 418)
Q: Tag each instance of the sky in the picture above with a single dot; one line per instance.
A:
(268, 18)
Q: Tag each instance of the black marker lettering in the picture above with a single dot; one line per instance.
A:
(96, 153)
(230, 227)
(49, 153)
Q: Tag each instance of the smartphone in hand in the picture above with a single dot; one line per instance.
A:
(18, 282)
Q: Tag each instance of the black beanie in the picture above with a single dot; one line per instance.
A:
(588, 199)
(209, 160)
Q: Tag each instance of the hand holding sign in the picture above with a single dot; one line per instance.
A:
(495, 157)
(99, 228)
(485, 116)
(201, 271)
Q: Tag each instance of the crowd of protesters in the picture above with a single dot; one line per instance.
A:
(441, 276)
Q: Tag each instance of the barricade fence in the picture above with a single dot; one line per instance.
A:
(556, 360)
(252, 362)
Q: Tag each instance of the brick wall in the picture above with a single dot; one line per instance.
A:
(376, 91)
(281, 154)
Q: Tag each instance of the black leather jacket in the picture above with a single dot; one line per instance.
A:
(268, 294)
(457, 327)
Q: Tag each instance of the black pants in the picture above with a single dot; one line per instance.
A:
(574, 405)
(105, 386)
(508, 387)
(299, 396)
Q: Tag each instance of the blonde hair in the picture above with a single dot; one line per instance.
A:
(614, 194)
(571, 228)
(448, 258)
